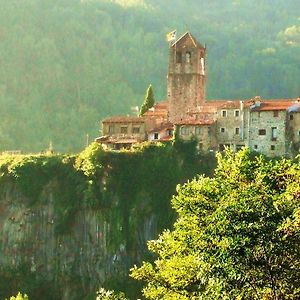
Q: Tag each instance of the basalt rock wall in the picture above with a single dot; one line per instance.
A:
(72, 224)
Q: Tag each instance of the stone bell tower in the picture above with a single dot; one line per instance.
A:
(186, 77)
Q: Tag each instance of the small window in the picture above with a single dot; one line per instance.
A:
(262, 132)
(188, 57)
(237, 130)
(224, 113)
(136, 130)
(275, 113)
(123, 129)
(156, 135)
(178, 57)
(291, 117)
(184, 130)
(222, 129)
(274, 133)
(111, 129)
(255, 147)
(237, 113)
(272, 147)
(198, 130)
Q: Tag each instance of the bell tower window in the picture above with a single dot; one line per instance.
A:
(188, 57)
(178, 57)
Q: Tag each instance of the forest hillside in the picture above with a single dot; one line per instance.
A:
(66, 64)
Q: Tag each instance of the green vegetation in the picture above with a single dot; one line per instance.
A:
(122, 187)
(236, 236)
(149, 100)
(67, 64)
(19, 297)
(103, 294)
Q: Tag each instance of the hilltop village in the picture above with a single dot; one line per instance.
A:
(269, 126)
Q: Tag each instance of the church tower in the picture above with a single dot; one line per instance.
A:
(186, 77)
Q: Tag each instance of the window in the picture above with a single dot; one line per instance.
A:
(198, 130)
(224, 113)
(272, 147)
(178, 57)
(255, 147)
(188, 57)
(209, 130)
(156, 135)
(291, 117)
(170, 132)
(275, 113)
(262, 132)
(136, 130)
(111, 129)
(222, 129)
(237, 130)
(184, 130)
(274, 133)
(237, 113)
(123, 129)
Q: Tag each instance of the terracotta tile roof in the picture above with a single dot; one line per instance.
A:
(196, 122)
(159, 109)
(231, 104)
(102, 138)
(272, 104)
(166, 138)
(124, 119)
(195, 42)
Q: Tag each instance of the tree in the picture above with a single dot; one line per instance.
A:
(103, 294)
(236, 236)
(19, 297)
(149, 100)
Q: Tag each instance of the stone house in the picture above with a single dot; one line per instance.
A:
(122, 132)
(269, 126)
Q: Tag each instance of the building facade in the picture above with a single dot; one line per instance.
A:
(270, 126)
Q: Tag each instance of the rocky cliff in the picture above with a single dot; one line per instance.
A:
(70, 224)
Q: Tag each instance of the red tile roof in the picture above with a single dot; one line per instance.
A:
(195, 122)
(159, 109)
(272, 104)
(195, 42)
(124, 119)
(166, 138)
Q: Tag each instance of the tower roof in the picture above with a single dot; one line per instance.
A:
(186, 36)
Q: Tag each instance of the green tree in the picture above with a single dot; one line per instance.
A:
(19, 297)
(236, 237)
(103, 294)
(149, 100)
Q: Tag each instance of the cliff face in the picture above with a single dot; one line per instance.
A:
(69, 225)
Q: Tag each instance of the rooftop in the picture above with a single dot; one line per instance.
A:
(124, 119)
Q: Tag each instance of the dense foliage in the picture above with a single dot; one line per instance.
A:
(124, 187)
(103, 294)
(19, 297)
(67, 64)
(236, 237)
